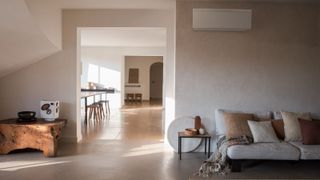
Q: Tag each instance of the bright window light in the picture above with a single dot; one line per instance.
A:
(93, 73)
(111, 78)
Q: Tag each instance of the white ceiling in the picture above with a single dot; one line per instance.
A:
(124, 37)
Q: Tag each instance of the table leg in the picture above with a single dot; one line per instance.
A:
(209, 147)
(86, 110)
(179, 147)
(205, 145)
(105, 98)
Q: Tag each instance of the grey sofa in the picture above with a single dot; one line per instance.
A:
(293, 151)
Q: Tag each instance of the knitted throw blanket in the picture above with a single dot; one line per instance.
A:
(217, 163)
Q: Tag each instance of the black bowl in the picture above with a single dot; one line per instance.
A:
(27, 114)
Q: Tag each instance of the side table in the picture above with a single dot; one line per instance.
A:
(206, 137)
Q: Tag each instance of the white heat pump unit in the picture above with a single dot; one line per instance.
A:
(49, 110)
(222, 19)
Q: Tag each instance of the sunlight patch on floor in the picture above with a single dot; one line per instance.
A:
(17, 165)
(146, 150)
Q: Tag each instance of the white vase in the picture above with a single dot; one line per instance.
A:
(201, 131)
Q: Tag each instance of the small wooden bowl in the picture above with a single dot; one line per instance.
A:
(191, 131)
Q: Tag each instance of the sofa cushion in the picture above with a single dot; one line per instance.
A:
(278, 127)
(219, 118)
(308, 152)
(291, 125)
(310, 131)
(263, 132)
(237, 124)
(268, 151)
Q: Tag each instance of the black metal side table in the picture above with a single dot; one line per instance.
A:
(206, 137)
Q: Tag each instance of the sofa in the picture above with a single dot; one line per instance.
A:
(282, 150)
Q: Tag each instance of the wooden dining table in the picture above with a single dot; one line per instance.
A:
(86, 93)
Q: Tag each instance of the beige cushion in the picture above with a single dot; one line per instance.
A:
(292, 129)
(263, 132)
(237, 124)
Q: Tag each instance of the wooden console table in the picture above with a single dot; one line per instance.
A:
(42, 135)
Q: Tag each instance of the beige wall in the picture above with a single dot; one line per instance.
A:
(143, 63)
(58, 77)
(49, 79)
(274, 66)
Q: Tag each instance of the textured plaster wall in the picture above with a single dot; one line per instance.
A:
(274, 66)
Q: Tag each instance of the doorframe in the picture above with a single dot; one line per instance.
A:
(168, 70)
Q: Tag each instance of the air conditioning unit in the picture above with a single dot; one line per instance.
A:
(222, 19)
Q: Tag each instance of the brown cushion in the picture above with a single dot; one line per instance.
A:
(310, 131)
(237, 124)
(278, 127)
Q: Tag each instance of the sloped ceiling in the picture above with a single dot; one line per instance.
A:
(21, 41)
(30, 30)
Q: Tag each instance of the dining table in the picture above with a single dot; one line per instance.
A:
(86, 93)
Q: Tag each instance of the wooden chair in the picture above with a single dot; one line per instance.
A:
(130, 97)
(138, 97)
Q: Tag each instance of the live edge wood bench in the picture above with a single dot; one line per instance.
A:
(41, 135)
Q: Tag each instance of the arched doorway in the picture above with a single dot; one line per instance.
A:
(156, 81)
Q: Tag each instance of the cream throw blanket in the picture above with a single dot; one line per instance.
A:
(217, 163)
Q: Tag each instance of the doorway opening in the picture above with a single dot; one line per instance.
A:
(117, 61)
(144, 80)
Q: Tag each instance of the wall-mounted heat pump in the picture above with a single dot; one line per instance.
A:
(222, 19)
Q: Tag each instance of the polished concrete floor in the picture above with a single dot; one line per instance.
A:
(127, 145)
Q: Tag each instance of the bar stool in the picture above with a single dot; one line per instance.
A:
(138, 97)
(106, 104)
(101, 109)
(130, 97)
(95, 112)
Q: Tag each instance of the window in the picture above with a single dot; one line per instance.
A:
(93, 73)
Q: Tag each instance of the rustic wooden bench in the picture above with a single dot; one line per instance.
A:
(41, 135)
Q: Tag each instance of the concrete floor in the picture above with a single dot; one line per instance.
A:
(129, 145)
